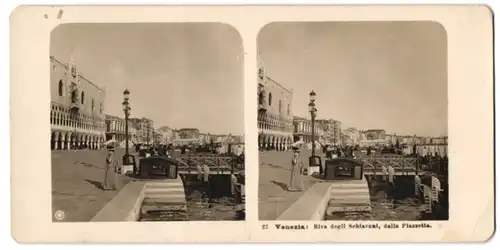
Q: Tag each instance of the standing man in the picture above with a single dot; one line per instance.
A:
(206, 182)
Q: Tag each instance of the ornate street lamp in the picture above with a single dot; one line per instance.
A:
(314, 161)
(313, 111)
(126, 111)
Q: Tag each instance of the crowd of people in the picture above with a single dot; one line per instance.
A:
(332, 151)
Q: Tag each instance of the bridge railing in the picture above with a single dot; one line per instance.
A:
(214, 162)
(398, 163)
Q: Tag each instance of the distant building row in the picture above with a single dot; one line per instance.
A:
(140, 130)
(378, 137)
(187, 136)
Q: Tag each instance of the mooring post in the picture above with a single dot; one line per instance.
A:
(232, 164)
(417, 163)
(218, 163)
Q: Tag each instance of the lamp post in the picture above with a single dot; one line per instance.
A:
(126, 110)
(153, 137)
(313, 110)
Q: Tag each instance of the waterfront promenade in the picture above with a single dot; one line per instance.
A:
(274, 176)
(76, 183)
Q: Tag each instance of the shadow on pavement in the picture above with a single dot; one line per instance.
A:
(278, 166)
(281, 185)
(88, 165)
(96, 184)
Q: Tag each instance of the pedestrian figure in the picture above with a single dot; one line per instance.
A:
(418, 184)
(238, 191)
(390, 175)
(384, 173)
(235, 189)
(436, 187)
(296, 182)
(199, 170)
(111, 171)
(206, 182)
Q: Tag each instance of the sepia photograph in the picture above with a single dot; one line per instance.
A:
(353, 121)
(147, 122)
(152, 124)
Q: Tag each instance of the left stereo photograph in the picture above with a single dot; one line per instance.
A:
(147, 122)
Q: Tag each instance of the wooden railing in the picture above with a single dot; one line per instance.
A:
(401, 165)
(215, 162)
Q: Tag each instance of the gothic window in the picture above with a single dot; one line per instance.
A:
(261, 73)
(280, 105)
(288, 110)
(93, 104)
(270, 99)
(73, 71)
(261, 98)
(60, 88)
(100, 108)
(73, 96)
(83, 97)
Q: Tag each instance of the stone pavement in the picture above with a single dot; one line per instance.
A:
(76, 183)
(274, 176)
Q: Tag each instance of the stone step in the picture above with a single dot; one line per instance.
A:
(164, 212)
(342, 209)
(167, 197)
(164, 217)
(347, 196)
(348, 216)
(175, 191)
(148, 208)
(348, 202)
(357, 190)
(347, 185)
(161, 201)
(165, 184)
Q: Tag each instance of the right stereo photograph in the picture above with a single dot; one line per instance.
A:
(353, 121)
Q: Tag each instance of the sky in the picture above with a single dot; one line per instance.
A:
(368, 75)
(179, 75)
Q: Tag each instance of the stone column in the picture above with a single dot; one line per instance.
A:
(56, 140)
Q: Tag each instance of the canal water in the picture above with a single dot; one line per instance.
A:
(221, 208)
(400, 205)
